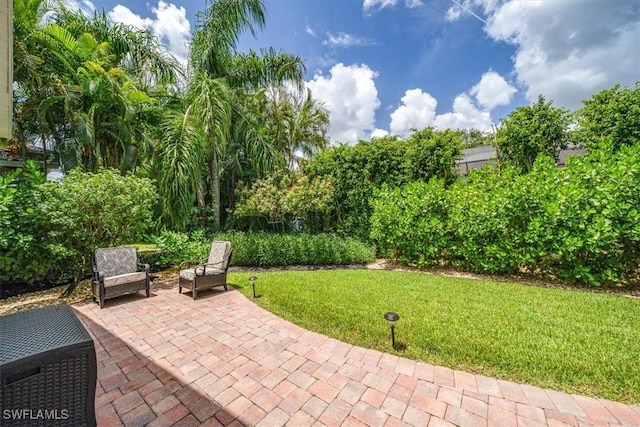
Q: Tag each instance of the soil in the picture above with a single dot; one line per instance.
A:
(8, 290)
(19, 297)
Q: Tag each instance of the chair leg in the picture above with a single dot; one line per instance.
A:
(179, 289)
(194, 293)
(101, 297)
(225, 287)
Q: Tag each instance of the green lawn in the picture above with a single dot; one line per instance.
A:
(562, 339)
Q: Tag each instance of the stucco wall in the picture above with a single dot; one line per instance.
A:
(6, 66)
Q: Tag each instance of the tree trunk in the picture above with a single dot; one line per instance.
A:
(232, 196)
(215, 193)
(201, 204)
(45, 165)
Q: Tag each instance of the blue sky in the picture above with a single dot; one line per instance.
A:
(389, 66)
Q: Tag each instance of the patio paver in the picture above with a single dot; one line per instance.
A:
(221, 360)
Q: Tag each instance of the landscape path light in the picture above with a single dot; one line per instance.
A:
(253, 279)
(392, 318)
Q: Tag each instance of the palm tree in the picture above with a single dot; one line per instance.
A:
(85, 84)
(296, 121)
(99, 102)
(177, 164)
(134, 50)
(222, 80)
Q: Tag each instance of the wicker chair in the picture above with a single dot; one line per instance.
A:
(116, 272)
(206, 273)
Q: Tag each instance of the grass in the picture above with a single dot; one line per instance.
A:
(567, 340)
(146, 247)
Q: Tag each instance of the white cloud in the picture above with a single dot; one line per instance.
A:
(172, 28)
(370, 4)
(123, 14)
(493, 90)
(346, 40)
(310, 31)
(352, 98)
(465, 115)
(412, 4)
(379, 133)
(86, 6)
(418, 108)
(566, 50)
(453, 13)
(417, 111)
(170, 25)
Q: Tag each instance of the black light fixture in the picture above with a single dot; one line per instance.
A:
(253, 279)
(392, 318)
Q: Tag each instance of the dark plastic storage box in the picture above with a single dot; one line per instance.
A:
(47, 369)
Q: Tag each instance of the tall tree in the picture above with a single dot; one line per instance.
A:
(531, 130)
(295, 121)
(613, 113)
(99, 101)
(230, 137)
(84, 84)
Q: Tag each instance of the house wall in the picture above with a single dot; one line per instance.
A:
(6, 67)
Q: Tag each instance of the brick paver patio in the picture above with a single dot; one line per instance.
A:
(221, 360)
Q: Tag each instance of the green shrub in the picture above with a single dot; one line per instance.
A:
(532, 130)
(580, 223)
(52, 228)
(177, 247)
(88, 211)
(613, 113)
(358, 171)
(26, 255)
(267, 250)
(284, 199)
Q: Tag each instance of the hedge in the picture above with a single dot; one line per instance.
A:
(580, 223)
(266, 249)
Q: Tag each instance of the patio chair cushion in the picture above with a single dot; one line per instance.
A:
(191, 274)
(116, 261)
(219, 251)
(125, 278)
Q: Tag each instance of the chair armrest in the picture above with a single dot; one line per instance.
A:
(194, 261)
(225, 259)
(145, 267)
(99, 275)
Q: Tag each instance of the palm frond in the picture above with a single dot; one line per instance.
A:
(266, 68)
(218, 31)
(211, 101)
(179, 166)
